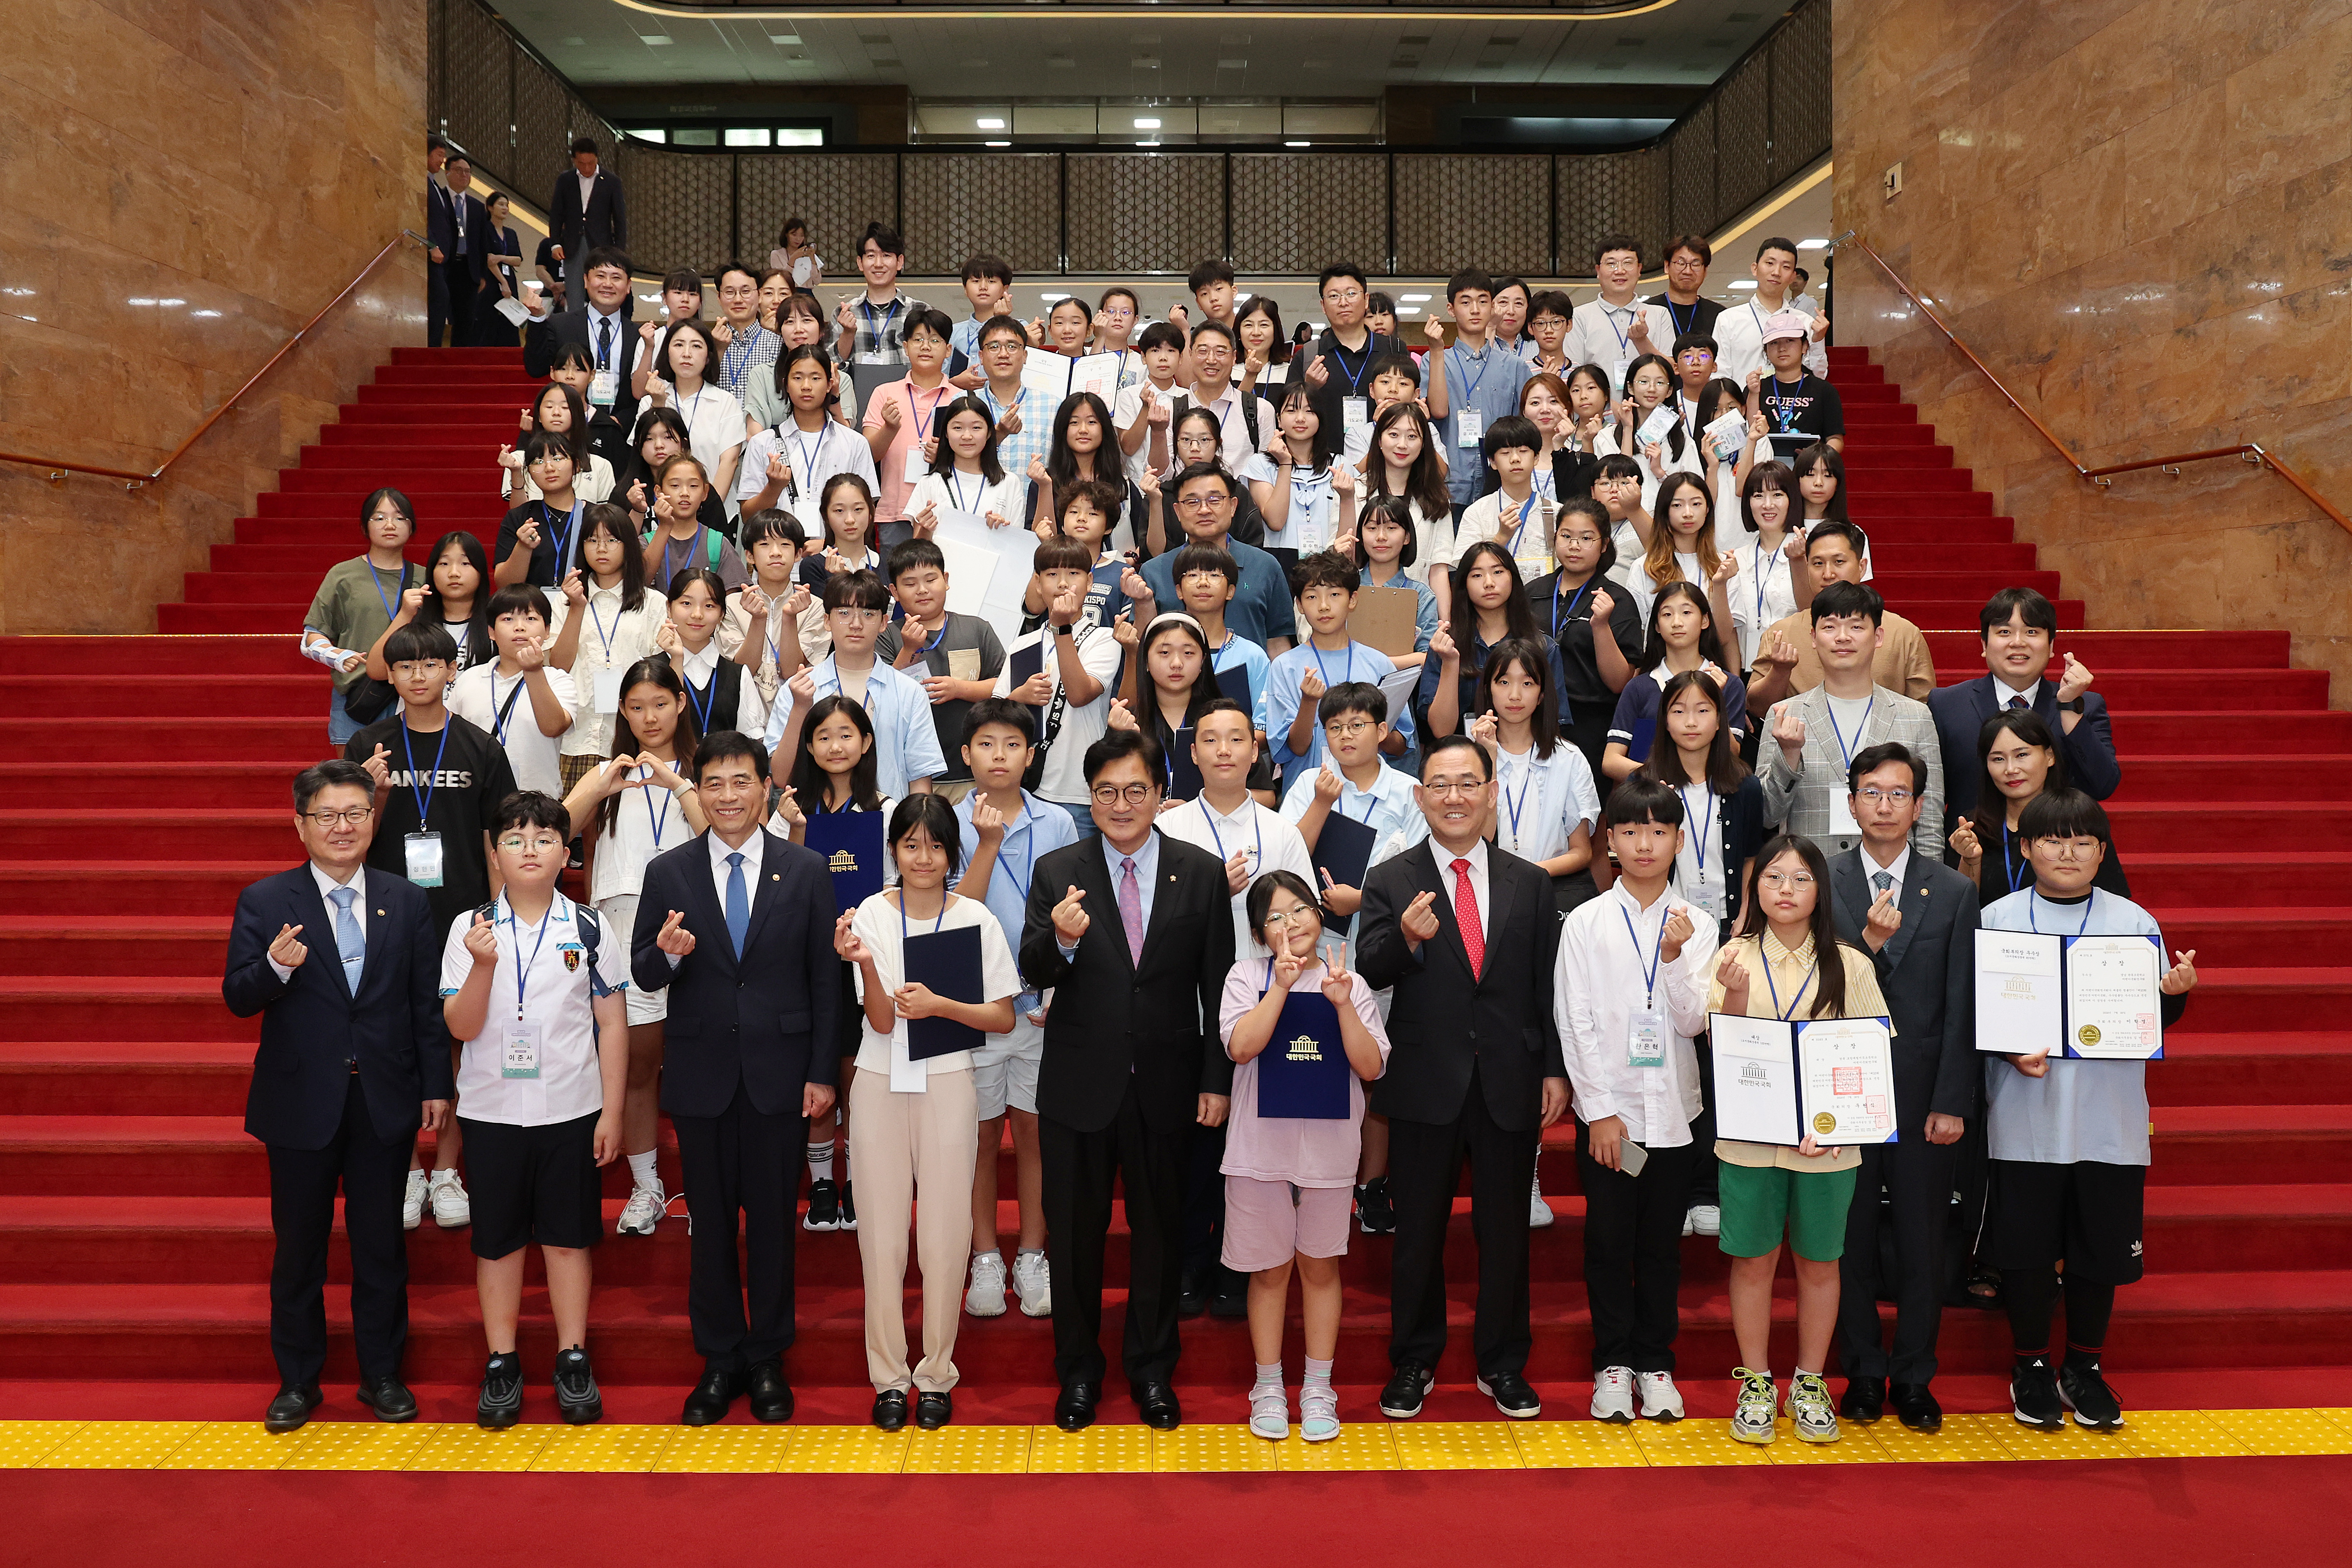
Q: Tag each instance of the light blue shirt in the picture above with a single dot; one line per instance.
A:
(1034, 438)
(906, 743)
(1488, 382)
(1261, 607)
(1358, 661)
(1146, 873)
(1037, 831)
(1387, 808)
(1240, 653)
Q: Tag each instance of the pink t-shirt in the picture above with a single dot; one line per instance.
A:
(916, 409)
(1308, 1152)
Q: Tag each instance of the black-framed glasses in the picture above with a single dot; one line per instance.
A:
(1111, 794)
(350, 818)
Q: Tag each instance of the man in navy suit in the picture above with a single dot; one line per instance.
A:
(737, 926)
(587, 211)
(440, 235)
(467, 251)
(353, 1059)
(2018, 626)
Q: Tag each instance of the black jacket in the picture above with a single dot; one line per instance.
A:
(605, 223)
(1927, 971)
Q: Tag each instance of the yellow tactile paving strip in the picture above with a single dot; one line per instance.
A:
(617, 1449)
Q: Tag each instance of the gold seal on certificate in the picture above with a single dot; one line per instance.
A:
(2087, 1036)
(1824, 1123)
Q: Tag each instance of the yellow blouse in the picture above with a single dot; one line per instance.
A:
(1792, 975)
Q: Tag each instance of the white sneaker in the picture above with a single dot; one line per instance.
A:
(412, 1202)
(1661, 1400)
(1540, 1213)
(1690, 1222)
(451, 1208)
(1035, 1283)
(1705, 1219)
(986, 1299)
(1613, 1394)
(646, 1205)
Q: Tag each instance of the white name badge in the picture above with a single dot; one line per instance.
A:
(518, 1050)
(1841, 822)
(603, 387)
(1645, 1039)
(916, 467)
(1708, 895)
(1617, 368)
(423, 853)
(1469, 428)
(874, 357)
(604, 688)
(1358, 412)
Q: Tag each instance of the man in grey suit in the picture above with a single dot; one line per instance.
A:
(1816, 734)
(1917, 918)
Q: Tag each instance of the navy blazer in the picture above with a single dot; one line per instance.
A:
(606, 222)
(313, 1026)
(481, 236)
(1927, 971)
(770, 1022)
(1960, 711)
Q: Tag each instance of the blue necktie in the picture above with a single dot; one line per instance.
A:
(738, 903)
(349, 945)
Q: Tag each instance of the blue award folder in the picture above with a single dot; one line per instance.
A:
(1303, 1072)
(1183, 773)
(1344, 848)
(1234, 683)
(1025, 662)
(851, 843)
(948, 962)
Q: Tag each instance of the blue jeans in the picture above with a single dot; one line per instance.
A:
(1083, 816)
(341, 725)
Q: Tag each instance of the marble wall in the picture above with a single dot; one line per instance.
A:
(2140, 214)
(182, 183)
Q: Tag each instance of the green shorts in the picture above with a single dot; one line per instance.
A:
(1761, 1201)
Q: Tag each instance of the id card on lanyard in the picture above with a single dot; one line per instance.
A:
(518, 1041)
(1841, 822)
(606, 685)
(422, 848)
(1646, 1026)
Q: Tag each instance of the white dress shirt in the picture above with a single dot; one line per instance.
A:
(700, 669)
(1541, 801)
(1476, 855)
(326, 886)
(1872, 871)
(2004, 692)
(1271, 843)
(1599, 982)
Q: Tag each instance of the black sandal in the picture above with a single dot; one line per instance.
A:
(1982, 1289)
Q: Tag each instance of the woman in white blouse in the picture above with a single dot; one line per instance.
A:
(713, 415)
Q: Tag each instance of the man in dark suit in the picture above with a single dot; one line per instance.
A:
(466, 267)
(599, 323)
(353, 1061)
(588, 211)
(440, 237)
(738, 924)
(1134, 932)
(2018, 628)
(1918, 919)
(1467, 936)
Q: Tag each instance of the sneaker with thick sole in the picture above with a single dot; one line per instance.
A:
(985, 1298)
(1407, 1388)
(452, 1210)
(1613, 1394)
(576, 1396)
(1812, 1412)
(1319, 1413)
(1375, 1210)
(1269, 1405)
(644, 1210)
(1751, 1416)
(1661, 1400)
(1705, 1219)
(501, 1402)
(1034, 1282)
(1539, 1214)
(2033, 1395)
(848, 1206)
(2086, 1394)
(412, 1202)
(823, 1207)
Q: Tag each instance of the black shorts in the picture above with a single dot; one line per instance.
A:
(533, 1185)
(2087, 1214)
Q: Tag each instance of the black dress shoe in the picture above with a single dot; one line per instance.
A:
(291, 1407)
(1915, 1407)
(1075, 1410)
(933, 1411)
(772, 1396)
(1192, 1294)
(1407, 1388)
(1229, 1298)
(710, 1398)
(389, 1398)
(890, 1409)
(1511, 1394)
(1864, 1401)
(1156, 1403)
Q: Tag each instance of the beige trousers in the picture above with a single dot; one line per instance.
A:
(899, 1142)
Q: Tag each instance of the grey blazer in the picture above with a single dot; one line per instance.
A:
(1799, 801)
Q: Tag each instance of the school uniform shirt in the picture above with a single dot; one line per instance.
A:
(1305, 1150)
(814, 638)
(1061, 777)
(972, 493)
(546, 978)
(1313, 515)
(1791, 979)
(1541, 801)
(885, 929)
(965, 648)
(1763, 594)
(558, 550)
(1740, 342)
(1271, 842)
(835, 448)
(1529, 542)
(1721, 835)
(1799, 413)
(1565, 615)
(648, 822)
(751, 351)
(1635, 726)
(902, 463)
(354, 606)
(699, 670)
(613, 639)
(1610, 968)
(448, 782)
(1123, 410)
(595, 485)
(1035, 832)
(501, 706)
(666, 555)
(2094, 1111)
(1261, 607)
(1601, 334)
(906, 747)
(714, 423)
(1485, 384)
(1285, 677)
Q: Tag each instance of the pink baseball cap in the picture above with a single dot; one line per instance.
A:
(1787, 324)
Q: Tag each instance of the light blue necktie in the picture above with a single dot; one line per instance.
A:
(349, 943)
(738, 903)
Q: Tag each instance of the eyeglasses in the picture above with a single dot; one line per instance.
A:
(1343, 296)
(1277, 919)
(1874, 794)
(1780, 881)
(350, 818)
(1202, 503)
(1111, 794)
(2068, 848)
(1444, 789)
(739, 292)
(1349, 732)
(515, 843)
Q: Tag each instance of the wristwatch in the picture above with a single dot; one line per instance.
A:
(2073, 706)
(1069, 631)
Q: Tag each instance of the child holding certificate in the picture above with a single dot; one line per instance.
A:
(2068, 1137)
(1788, 964)
(935, 977)
(1305, 1036)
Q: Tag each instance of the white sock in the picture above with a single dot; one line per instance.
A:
(641, 1169)
(820, 1160)
(1269, 1376)
(449, 1175)
(1319, 1372)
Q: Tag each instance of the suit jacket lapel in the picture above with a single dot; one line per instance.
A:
(1161, 899)
(1441, 882)
(703, 907)
(1499, 906)
(1911, 897)
(376, 923)
(765, 897)
(316, 919)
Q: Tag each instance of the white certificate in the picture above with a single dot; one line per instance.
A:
(1398, 687)
(1098, 374)
(1847, 1079)
(2112, 998)
(988, 569)
(1657, 426)
(1047, 374)
(2018, 998)
(1755, 1080)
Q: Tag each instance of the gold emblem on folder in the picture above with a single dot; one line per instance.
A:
(2088, 1034)
(842, 860)
(1306, 1048)
(1823, 1122)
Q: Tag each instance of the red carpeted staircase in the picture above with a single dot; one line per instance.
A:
(134, 1227)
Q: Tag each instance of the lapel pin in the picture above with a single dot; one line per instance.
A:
(379, 912)
(775, 875)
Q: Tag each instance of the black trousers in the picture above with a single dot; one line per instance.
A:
(1705, 1179)
(1079, 1169)
(1424, 1167)
(1917, 1179)
(742, 1162)
(1633, 1253)
(436, 300)
(461, 289)
(1204, 1208)
(374, 1176)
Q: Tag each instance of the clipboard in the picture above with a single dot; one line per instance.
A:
(1302, 1074)
(1387, 618)
(1234, 682)
(948, 962)
(851, 843)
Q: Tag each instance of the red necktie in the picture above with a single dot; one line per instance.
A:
(1466, 911)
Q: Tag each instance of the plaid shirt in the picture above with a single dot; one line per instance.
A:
(1035, 435)
(880, 332)
(753, 349)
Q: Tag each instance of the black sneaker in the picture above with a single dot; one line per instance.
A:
(1407, 1386)
(501, 1405)
(848, 1207)
(1375, 1213)
(575, 1389)
(2033, 1391)
(1511, 1395)
(2086, 1394)
(823, 1207)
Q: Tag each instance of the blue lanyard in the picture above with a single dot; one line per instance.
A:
(1346, 671)
(866, 702)
(499, 715)
(2007, 870)
(1356, 376)
(1800, 997)
(1609, 314)
(1257, 852)
(563, 549)
(1005, 864)
(1674, 315)
(889, 319)
(607, 637)
(1706, 826)
(1458, 359)
(701, 705)
(656, 823)
(1846, 753)
(1650, 969)
(1761, 566)
(808, 456)
(1572, 604)
(424, 793)
(731, 363)
(903, 937)
(522, 970)
(955, 489)
(382, 597)
(2035, 895)
(1520, 802)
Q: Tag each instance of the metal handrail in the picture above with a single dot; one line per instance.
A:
(59, 469)
(2249, 451)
